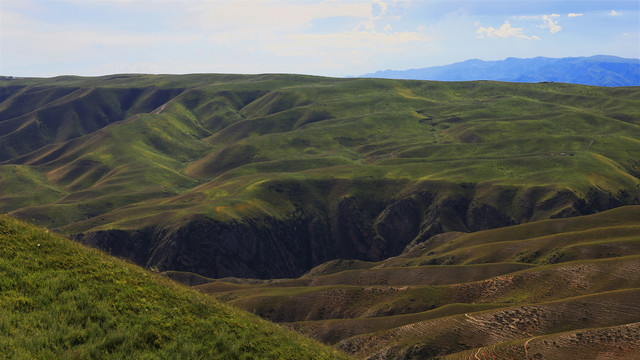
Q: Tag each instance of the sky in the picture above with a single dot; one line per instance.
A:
(46, 38)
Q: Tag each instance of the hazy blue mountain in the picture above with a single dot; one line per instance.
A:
(598, 70)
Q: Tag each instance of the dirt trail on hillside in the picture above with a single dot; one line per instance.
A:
(160, 109)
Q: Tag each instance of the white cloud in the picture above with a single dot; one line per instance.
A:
(329, 37)
(276, 30)
(261, 16)
(219, 34)
(615, 13)
(505, 31)
(353, 52)
(359, 40)
(550, 24)
(29, 36)
(527, 17)
(378, 10)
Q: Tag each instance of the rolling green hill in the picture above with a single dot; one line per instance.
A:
(63, 300)
(557, 289)
(266, 176)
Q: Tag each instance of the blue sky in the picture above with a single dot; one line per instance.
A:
(333, 37)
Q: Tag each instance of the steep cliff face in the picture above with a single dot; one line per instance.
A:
(356, 228)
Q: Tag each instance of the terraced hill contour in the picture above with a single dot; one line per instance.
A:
(552, 289)
(266, 176)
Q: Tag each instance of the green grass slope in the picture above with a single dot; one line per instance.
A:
(305, 169)
(62, 300)
(553, 287)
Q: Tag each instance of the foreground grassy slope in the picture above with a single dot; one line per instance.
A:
(62, 300)
(553, 287)
(305, 169)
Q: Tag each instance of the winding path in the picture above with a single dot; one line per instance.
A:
(526, 351)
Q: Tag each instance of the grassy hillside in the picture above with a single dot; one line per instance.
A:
(546, 289)
(62, 300)
(270, 175)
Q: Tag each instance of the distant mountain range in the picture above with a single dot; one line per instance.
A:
(600, 70)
